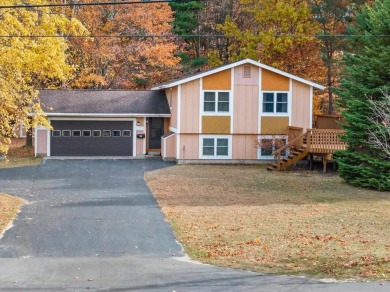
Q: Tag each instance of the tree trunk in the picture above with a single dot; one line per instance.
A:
(29, 139)
(29, 130)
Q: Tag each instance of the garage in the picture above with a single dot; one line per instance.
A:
(101, 122)
(91, 138)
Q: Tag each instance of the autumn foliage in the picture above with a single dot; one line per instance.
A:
(30, 63)
(116, 55)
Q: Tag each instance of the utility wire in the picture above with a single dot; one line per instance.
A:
(196, 36)
(94, 4)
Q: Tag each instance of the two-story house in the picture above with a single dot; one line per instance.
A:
(239, 112)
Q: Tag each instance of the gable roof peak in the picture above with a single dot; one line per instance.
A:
(232, 65)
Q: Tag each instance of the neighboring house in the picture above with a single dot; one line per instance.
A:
(220, 114)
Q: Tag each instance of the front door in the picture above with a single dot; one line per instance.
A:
(156, 130)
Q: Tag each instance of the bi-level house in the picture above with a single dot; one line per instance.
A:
(240, 112)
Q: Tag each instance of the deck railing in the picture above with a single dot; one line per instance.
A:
(317, 141)
(325, 141)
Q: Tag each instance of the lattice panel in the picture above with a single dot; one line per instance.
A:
(326, 141)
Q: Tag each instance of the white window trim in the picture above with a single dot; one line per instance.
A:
(216, 113)
(70, 132)
(100, 133)
(120, 133)
(270, 157)
(52, 133)
(275, 114)
(90, 133)
(81, 133)
(228, 137)
(125, 131)
(107, 136)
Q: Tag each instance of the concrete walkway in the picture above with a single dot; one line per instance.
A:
(94, 225)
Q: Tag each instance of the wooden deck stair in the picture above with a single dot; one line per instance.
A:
(320, 142)
(289, 160)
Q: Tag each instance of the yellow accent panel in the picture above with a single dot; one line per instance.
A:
(215, 125)
(274, 125)
(273, 81)
(218, 81)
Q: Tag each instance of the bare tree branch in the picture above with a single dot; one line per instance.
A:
(379, 134)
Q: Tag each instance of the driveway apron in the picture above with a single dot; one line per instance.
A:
(94, 225)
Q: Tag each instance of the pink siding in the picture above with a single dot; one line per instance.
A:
(41, 142)
(239, 76)
(190, 95)
(171, 94)
(246, 101)
(140, 144)
(300, 105)
(170, 152)
(244, 147)
(189, 147)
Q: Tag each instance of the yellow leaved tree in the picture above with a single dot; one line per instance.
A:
(29, 61)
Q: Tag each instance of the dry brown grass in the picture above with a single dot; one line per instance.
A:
(9, 208)
(19, 155)
(300, 223)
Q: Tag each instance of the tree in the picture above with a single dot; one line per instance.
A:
(366, 77)
(278, 33)
(186, 23)
(30, 63)
(124, 62)
(333, 17)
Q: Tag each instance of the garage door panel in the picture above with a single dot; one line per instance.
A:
(92, 146)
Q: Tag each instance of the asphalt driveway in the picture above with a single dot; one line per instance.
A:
(86, 208)
(93, 224)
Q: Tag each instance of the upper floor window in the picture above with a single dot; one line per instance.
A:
(216, 101)
(275, 102)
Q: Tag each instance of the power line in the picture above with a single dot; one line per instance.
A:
(195, 36)
(94, 4)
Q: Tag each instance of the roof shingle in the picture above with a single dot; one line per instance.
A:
(148, 102)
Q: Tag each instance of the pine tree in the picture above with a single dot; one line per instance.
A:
(366, 77)
(187, 23)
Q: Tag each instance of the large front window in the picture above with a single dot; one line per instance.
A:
(275, 102)
(216, 101)
(213, 147)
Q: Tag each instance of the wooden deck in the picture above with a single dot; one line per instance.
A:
(315, 142)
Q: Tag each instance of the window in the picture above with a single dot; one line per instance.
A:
(116, 133)
(76, 133)
(126, 133)
(216, 101)
(222, 147)
(106, 133)
(275, 102)
(268, 144)
(215, 148)
(267, 147)
(208, 147)
(66, 133)
(56, 133)
(86, 133)
(96, 133)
